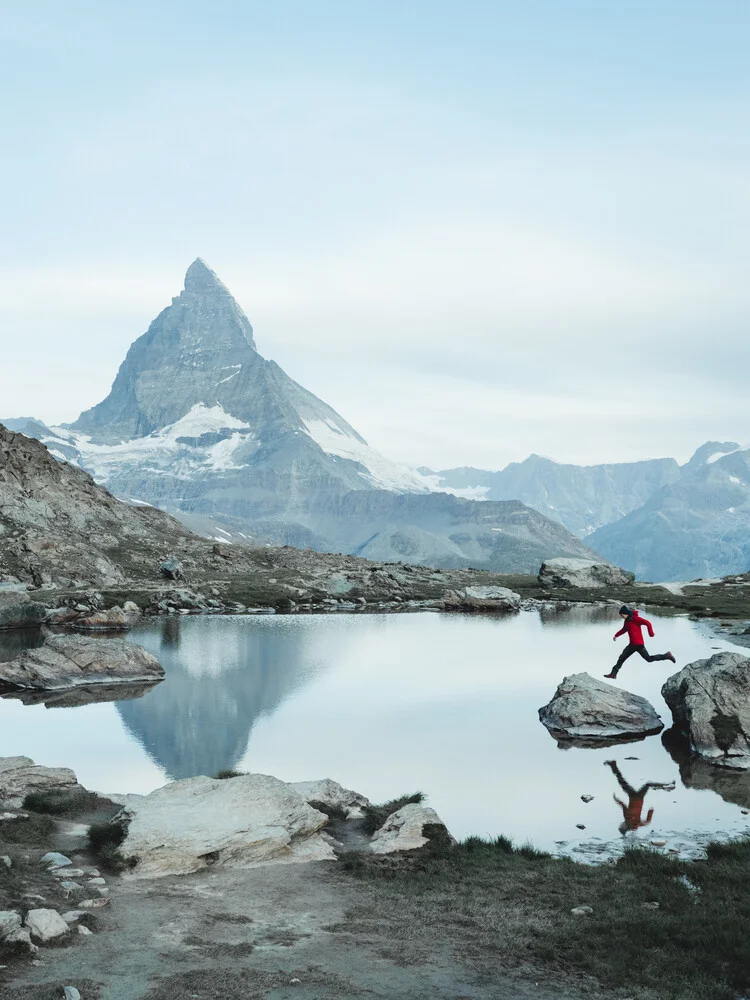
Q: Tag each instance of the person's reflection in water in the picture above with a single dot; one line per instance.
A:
(632, 811)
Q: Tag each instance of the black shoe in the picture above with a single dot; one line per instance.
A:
(670, 657)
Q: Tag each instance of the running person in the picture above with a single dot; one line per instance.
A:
(633, 625)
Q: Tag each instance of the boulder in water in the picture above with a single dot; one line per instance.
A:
(710, 704)
(17, 610)
(590, 711)
(483, 599)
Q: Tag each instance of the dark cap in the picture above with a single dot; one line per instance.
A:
(625, 610)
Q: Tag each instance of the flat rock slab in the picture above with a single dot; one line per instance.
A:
(710, 704)
(66, 661)
(250, 820)
(483, 599)
(588, 710)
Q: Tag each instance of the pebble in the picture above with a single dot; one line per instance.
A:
(71, 993)
(582, 911)
(658, 843)
(67, 872)
(73, 915)
(295, 982)
(93, 904)
(580, 826)
(745, 811)
(84, 931)
(6, 860)
(98, 880)
(650, 906)
(587, 798)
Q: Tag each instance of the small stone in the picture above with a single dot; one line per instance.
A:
(71, 993)
(69, 887)
(92, 872)
(581, 911)
(103, 890)
(84, 931)
(295, 982)
(66, 873)
(73, 916)
(34, 897)
(745, 811)
(97, 880)
(650, 906)
(45, 925)
(587, 798)
(580, 826)
(658, 843)
(6, 860)
(93, 904)
(22, 936)
(9, 921)
(55, 860)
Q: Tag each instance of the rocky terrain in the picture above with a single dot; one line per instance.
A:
(239, 451)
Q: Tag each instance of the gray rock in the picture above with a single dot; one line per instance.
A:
(6, 860)
(710, 704)
(9, 922)
(46, 925)
(483, 599)
(172, 569)
(66, 661)
(20, 775)
(404, 829)
(113, 620)
(589, 710)
(581, 911)
(250, 820)
(55, 860)
(331, 793)
(18, 611)
(583, 573)
(70, 992)
(21, 939)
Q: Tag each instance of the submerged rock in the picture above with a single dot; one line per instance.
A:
(710, 704)
(483, 599)
(404, 830)
(584, 573)
(66, 661)
(591, 711)
(242, 822)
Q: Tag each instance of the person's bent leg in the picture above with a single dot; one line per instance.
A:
(656, 656)
(628, 651)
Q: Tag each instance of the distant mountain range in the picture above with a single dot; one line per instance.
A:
(199, 424)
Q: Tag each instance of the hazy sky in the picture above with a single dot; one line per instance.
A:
(476, 229)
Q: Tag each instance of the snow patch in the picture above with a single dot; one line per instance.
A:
(382, 473)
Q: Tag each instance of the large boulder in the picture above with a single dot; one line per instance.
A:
(20, 775)
(710, 704)
(405, 829)
(17, 610)
(483, 599)
(242, 822)
(582, 573)
(330, 793)
(66, 661)
(591, 711)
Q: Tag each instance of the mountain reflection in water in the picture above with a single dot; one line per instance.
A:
(218, 683)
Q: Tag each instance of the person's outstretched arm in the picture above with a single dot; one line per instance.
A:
(622, 631)
(647, 623)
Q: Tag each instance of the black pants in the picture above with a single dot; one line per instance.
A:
(632, 648)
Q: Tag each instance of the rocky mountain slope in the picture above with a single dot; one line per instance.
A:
(62, 533)
(581, 497)
(698, 526)
(199, 424)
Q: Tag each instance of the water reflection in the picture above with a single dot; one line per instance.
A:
(14, 641)
(91, 694)
(632, 810)
(219, 681)
(733, 785)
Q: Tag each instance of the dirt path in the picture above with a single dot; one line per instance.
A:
(241, 935)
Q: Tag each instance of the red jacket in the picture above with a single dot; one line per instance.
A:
(633, 626)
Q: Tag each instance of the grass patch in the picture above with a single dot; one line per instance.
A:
(105, 840)
(375, 816)
(496, 903)
(34, 831)
(228, 773)
(61, 802)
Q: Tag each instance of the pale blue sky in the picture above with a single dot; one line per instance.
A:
(476, 229)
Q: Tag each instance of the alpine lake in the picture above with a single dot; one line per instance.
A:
(393, 703)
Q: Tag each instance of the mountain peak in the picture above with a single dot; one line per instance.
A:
(199, 279)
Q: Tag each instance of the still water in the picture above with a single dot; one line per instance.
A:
(387, 704)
